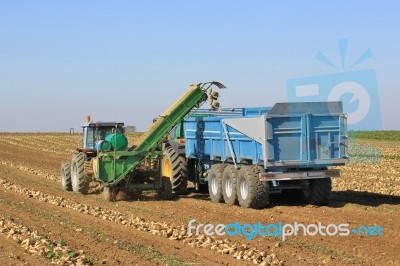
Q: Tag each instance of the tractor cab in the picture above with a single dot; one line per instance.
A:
(94, 132)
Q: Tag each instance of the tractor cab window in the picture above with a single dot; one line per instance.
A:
(103, 132)
(88, 138)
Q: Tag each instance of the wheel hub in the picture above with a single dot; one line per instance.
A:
(244, 189)
(214, 186)
(228, 187)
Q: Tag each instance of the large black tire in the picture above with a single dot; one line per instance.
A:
(80, 183)
(110, 193)
(252, 193)
(166, 188)
(175, 167)
(319, 192)
(215, 182)
(65, 172)
(229, 185)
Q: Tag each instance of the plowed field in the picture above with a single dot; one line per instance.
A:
(42, 224)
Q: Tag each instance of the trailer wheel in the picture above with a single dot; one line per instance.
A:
(110, 193)
(252, 193)
(215, 182)
(166, 188)
(79, 181)
(319, 192)
(229, 187)
(175, 167)
(66, 176)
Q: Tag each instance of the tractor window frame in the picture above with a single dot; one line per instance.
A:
(88, 138)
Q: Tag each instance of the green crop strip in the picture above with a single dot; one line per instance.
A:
(392, 135)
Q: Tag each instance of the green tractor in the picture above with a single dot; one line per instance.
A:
(99, 136)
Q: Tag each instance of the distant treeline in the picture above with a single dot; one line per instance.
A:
(393, 135)
(130, 129)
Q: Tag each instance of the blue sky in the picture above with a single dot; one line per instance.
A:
(129, 60)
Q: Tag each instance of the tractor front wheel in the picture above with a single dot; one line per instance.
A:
(79, 181)
(66, 176)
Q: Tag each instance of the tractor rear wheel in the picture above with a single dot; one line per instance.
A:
(252, 193)
(80, 183)
(175, 167)
(65, 172)
(215, 182)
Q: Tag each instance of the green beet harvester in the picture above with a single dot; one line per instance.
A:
(105, 157)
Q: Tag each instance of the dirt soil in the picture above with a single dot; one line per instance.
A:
(147, 231)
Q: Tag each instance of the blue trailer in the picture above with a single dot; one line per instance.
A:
(250, 153)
